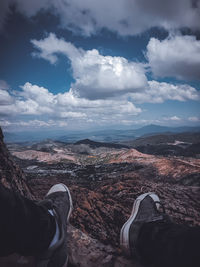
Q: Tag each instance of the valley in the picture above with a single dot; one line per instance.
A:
(105, 178)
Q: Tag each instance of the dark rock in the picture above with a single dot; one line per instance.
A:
(86, 251)
(11, 176)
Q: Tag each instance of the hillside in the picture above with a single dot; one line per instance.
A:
(181, 144)
(165, 138)
(94, 144)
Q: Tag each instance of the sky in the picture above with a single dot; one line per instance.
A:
(85, 65)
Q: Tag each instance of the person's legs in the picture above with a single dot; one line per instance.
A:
(36, 229)
(25, 226)
(150, 236)
(168, 244)
(59, 201)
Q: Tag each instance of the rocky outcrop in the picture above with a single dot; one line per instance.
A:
(172, 167)
(11, 175)
(87, 251)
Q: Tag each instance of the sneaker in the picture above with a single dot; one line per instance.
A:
(145, 209)
(59, 200)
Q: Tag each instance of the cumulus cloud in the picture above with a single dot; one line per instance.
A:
(69, 109)
(105, 77)
(5, 97)
(126, 18)
(158, 92)
(96, 76)
(177, 57)
(38, 101)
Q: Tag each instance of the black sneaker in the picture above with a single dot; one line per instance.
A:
(145, 209)
(59, 200)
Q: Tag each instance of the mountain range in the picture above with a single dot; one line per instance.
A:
(107, 135)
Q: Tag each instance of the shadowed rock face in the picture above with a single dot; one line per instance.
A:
(11, 175)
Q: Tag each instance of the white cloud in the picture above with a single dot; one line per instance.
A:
(194, 119)
(105, 90)
(33, 123)
(67, 107)
(4, 123)
(5, 97)
(96, 76)
(158, 92)
(126, 17)
(102, 77)
(172, 118)
(38, 101)
(177, 57)
(39, 94)
(71, 114)
(51, 46)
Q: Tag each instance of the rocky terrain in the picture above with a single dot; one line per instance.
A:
(185, 144)
(11, 175)
(89, 161)
(104, 182)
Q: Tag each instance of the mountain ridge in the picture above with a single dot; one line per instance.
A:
(108, 135)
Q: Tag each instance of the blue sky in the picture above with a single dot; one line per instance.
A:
(74, 65)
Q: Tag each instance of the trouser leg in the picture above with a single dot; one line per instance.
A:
(25, 227)
(166, 244)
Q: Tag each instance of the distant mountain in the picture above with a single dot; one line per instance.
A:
(116, 136)
(30, 136)
(171, 150)
(108, 135)
(94, 144)
(154, 129)
(165, 138)
(174, 144)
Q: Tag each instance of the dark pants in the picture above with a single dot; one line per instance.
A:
(27, 228)
(165, 244)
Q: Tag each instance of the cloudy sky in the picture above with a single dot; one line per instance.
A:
(74, 64)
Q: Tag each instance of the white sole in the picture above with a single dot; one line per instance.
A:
(57, 188)
(66, 262)
(124, 233)
(71, 203)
